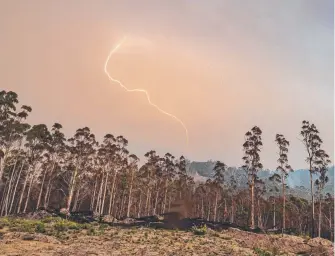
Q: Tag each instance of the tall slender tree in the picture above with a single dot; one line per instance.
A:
(252, 147)
(322, 167)
(283, 168)
(81, 150)
(219, 170)
(312, 142)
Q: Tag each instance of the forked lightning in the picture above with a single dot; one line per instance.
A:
(139, 90)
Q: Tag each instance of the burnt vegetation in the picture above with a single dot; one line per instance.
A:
(83, 179)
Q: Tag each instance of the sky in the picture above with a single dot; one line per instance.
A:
(221, 67)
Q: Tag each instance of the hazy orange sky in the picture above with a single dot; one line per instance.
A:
(220, 66)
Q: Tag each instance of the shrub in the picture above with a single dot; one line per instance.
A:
(4, 222)
(75, 226)
(261, 252)
(61, 226)
(52, 219)
(199, 231)
(91, 231)
(40, 227)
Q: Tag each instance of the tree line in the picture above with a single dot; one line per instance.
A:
(41, 168)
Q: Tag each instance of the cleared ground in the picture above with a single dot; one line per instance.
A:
(59, 237)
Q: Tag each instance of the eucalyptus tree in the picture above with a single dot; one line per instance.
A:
(11, 126)
(169, 172)
(283, 168)
(107, 155)
(8, 101)
(56, 162)
(252, 164)
(260, 191)
(312, 142)
(132, 169)
(120, 161)
(158, 182)
(200, 195)
(232, 191)
(182, 177)
(104, 167)
(12, 131)
(37, 144)
(148, 173)
(217, 183)
(81, 150)
(322, 162)
(329, 213)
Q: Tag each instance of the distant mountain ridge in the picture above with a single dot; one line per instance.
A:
(298, 181)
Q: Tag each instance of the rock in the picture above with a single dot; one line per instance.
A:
(109, 219)
(158, 218)
(64, 211)
(30, 237)
(38, 215)
(128, 221)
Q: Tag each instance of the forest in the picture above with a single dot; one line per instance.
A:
(41, 168)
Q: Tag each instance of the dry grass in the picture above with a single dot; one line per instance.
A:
(66, 238)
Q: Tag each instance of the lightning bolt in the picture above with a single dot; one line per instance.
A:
(140, 89)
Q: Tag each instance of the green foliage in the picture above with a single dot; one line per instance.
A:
(61, 226)
(199, 231)
(91, 232)
(40, 227)
(52, 219)
(74, 226)
(4, 222)
(261, 252)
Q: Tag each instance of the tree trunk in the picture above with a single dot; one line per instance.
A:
(312, 192)
(274, 213)
(165, 196)
(22, 192)
(284, 204)
(75, 203)
(130, 191)
(202, 208)
(3, 198)
(41, 190)
(232, 210)
(45, 204)
(98, 205)
(259, 214)
(156, 202)
(15, 188)
(139, 206)
(28, 194)
(2, 165)
(9, 192)
(147, 202)
(111, 201)
(216, 205)
(71, 190)
(320, 219)
(104, 196)
(121, 205)
(209, 211)
(252, 215)
(169, 202)
(331, 225)
(94, 192)
(42, 185)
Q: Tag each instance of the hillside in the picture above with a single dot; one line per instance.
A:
(298, 181)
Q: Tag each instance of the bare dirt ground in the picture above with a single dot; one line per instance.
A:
(147, 241)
